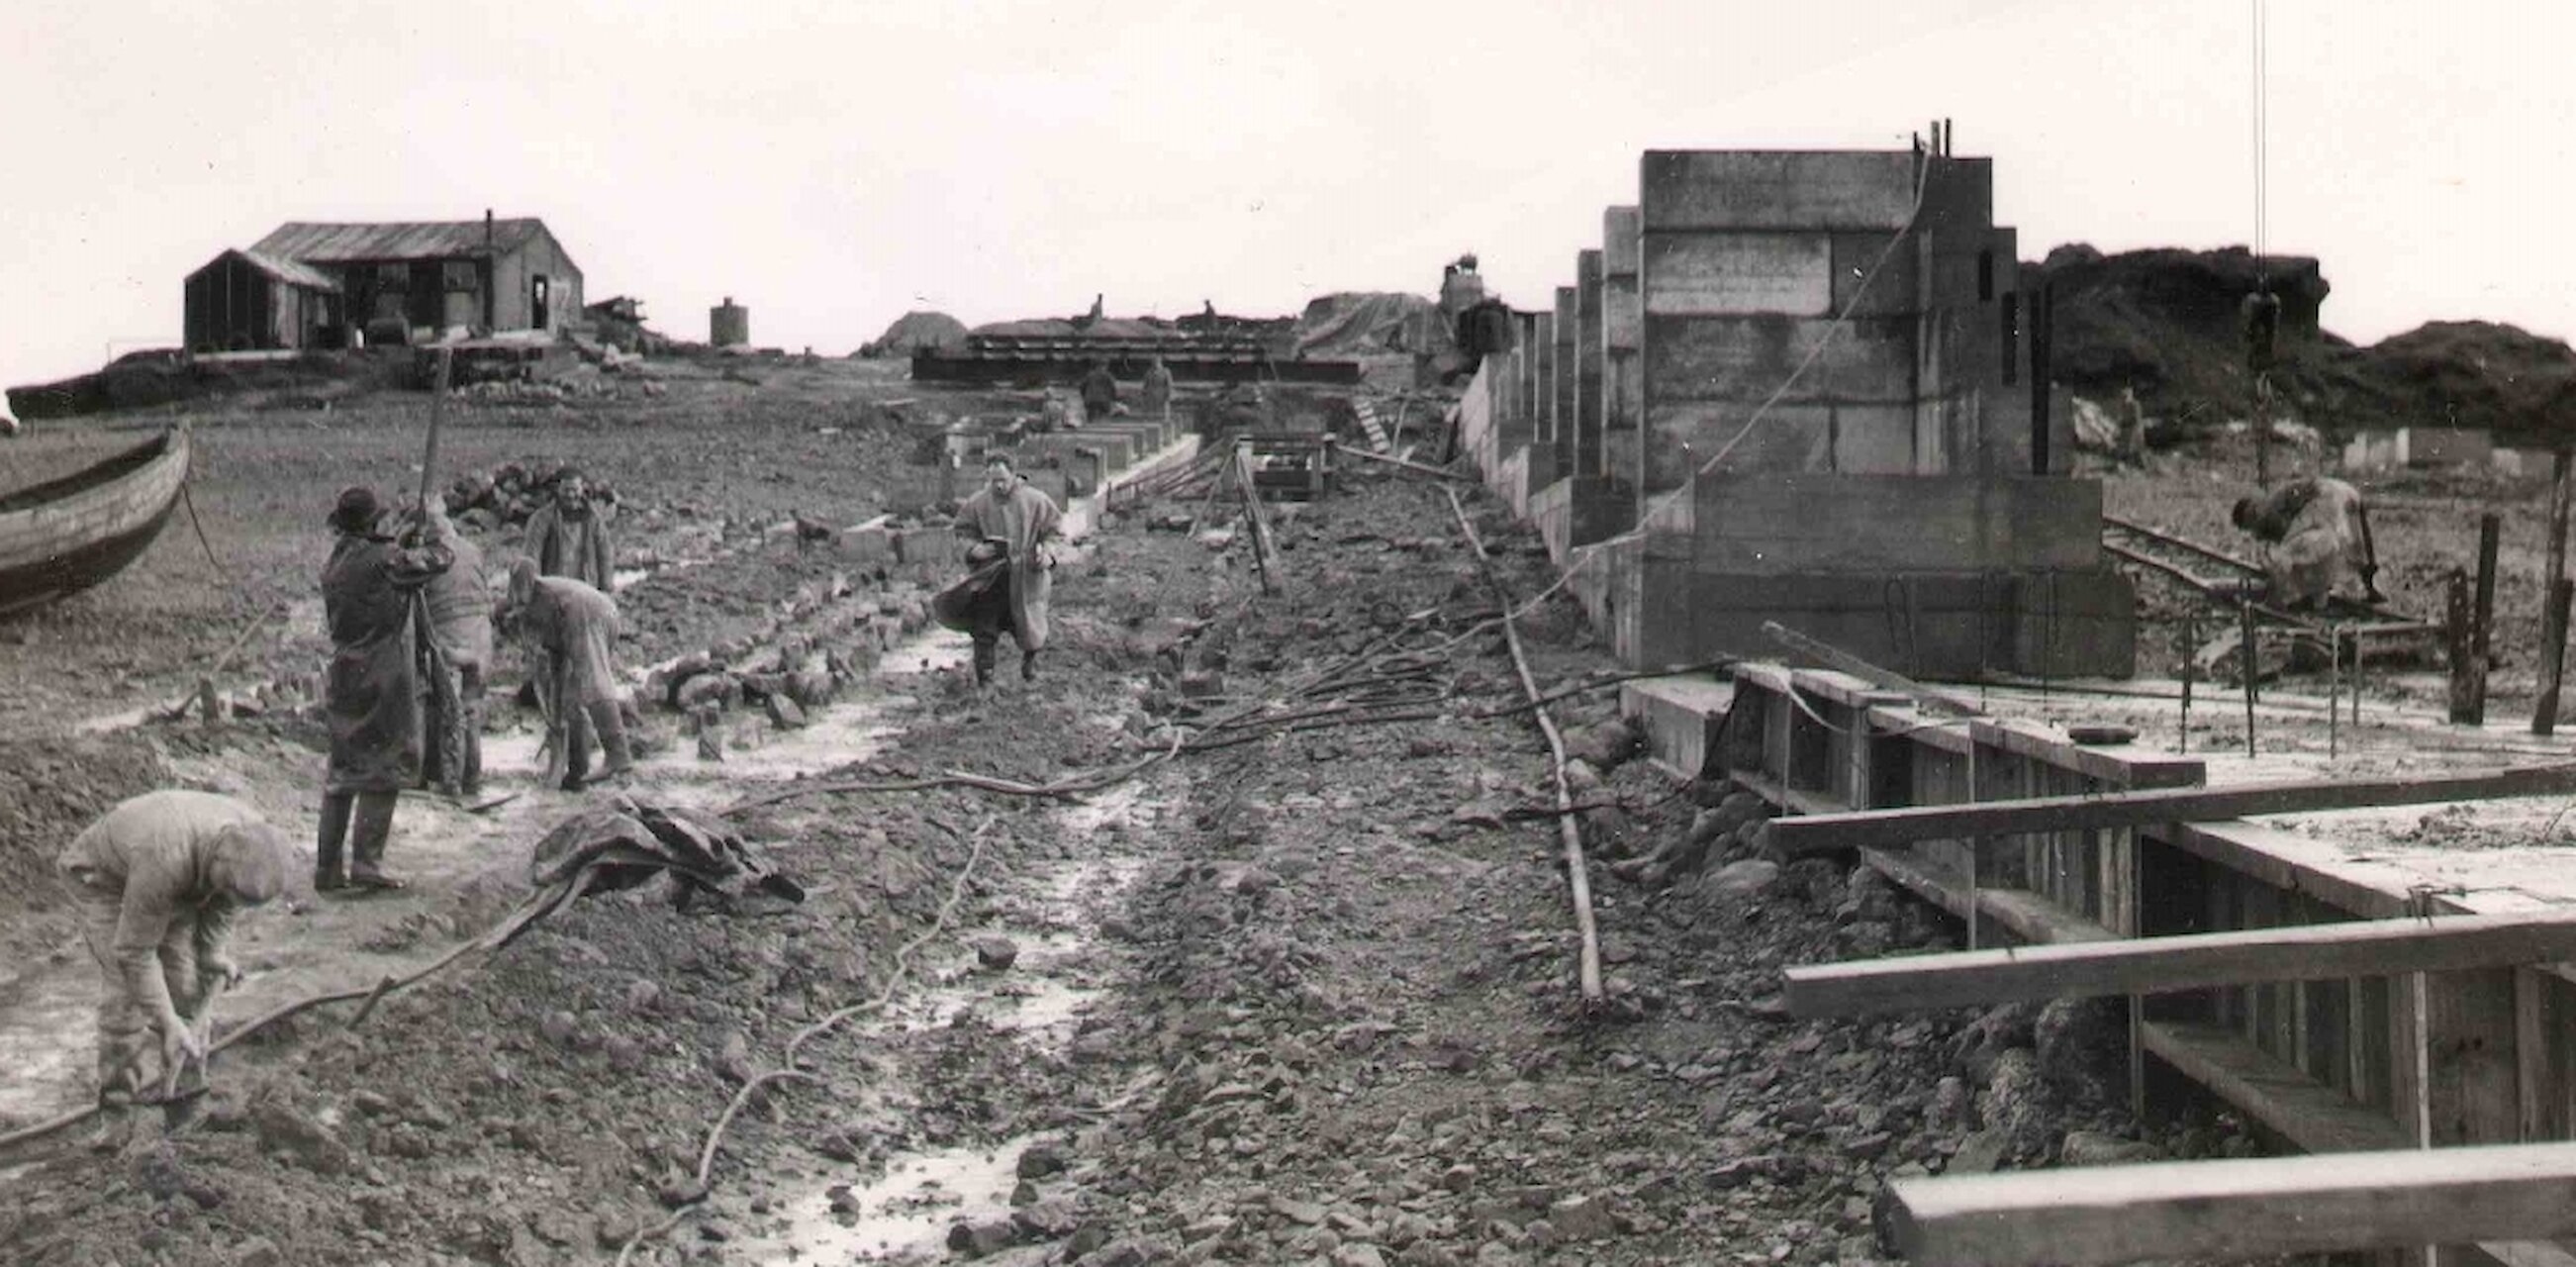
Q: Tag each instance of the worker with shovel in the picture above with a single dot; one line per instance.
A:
(1013, 527)
(570, 632)
(159, 879)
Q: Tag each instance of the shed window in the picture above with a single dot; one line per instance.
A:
(394, 276)
(462, 275)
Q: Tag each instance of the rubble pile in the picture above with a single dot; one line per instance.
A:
(508, 495)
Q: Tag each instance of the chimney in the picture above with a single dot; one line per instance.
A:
(487, 228)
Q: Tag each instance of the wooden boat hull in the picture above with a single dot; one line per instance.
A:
(66, 535)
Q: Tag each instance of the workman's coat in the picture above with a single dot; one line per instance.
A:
(2320, 541)
(571, 633)
(159, 878)
(1027, 522)
(372, 691)
(574, 543)
(460, 598)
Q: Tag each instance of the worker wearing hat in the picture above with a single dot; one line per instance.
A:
(371, 694)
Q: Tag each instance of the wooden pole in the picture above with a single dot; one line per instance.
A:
(2167, 965)
(1836, 658)
(2263, 430)
(2252, 663)
(2466, 699)
(2102, 811)
(2553, 624)
(1578, 876)
(437, 408)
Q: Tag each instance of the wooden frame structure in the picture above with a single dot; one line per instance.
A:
(2363, 1054)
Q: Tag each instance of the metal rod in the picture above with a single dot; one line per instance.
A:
(2249, 661)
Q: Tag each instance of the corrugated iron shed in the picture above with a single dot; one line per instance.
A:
(316, 243)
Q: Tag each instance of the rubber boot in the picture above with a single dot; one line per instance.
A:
(327, 873)
(605, 719)
(576, 746)
(986, 651)
(1028, 666)
(371, 826)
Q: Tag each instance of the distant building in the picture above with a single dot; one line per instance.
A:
(307, 285)
(729, 324)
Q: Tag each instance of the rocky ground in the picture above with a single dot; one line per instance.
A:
(1304, 998)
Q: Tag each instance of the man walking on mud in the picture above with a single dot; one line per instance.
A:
(372, 691)
(158, 879)
(1014, 528)
(2317, 531)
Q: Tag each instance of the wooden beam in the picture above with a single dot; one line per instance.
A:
(1836, 658)
(2149, 807)
(2163, 965)
(2250, 1208)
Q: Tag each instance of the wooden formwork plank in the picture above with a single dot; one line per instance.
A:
(2154, 805)
(2471, 1070)
(2160, 965)
(2310, 1115)
(2240, 1209)
(2027, 916)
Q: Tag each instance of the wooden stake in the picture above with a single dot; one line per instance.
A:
(2247, 657)
(2553, 624)
(2467, 698)
(437, 409)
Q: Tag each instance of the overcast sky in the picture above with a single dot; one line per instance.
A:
(833, 164)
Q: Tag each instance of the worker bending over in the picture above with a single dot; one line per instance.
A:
(570, 632)
(2317, 534)
(159, 878)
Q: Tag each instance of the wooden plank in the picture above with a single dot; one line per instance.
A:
(2198, 961)
(2239, 1209)
(1837, 658)
(2314, 1117)
(2154, 805)
(2027, 916)
(2141, 769)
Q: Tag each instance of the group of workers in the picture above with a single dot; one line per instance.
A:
(410, 612)
(409, 608)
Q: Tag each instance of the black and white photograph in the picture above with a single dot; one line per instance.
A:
(1147, 633)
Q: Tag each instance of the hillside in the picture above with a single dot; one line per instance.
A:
(2164, 323)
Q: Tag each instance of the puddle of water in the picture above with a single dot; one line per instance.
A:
(904, 1216)
(44, 1046)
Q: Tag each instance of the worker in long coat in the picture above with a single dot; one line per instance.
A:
(569, 536)
(372, 691)
(1013, 527)
(456, 654)
(1157, 394)
(158, 879)
(2317, 531)
(1099, 392)
(570, 632)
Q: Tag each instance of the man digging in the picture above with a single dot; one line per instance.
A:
(1013, 526)
(158, 879)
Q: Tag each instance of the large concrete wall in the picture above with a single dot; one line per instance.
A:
(1815, 370)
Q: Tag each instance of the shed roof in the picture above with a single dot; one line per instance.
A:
(289, 271)
(284, 270)
(318, 243)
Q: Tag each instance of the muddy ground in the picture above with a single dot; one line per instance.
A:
(1306, 998)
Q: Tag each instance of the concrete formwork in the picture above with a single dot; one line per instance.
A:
(1561, 431)
(1589, 450)
(1622, 374)
(2402, 1060)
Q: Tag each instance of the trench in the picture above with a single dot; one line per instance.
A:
(902, 1210)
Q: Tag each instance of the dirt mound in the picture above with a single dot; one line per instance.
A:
(1372, 321)
(2166, 324)
(141, 380)
(50, 789)
(915, 332)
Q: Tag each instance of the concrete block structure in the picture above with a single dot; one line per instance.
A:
(1800, 386)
